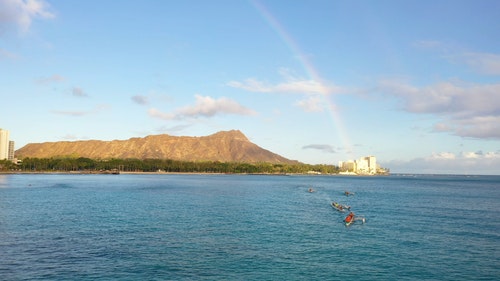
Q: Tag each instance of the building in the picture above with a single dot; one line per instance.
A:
(11, 151)
(367, 165)
(4, 144)
(364, 166)
(347, 166)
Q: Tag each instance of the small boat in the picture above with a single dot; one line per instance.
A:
(109, 172)
(311, 190)
(349, 219)
(347, 193)
(339, 207)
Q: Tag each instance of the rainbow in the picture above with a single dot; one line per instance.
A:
(309, 68)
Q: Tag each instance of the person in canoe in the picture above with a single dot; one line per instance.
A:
(311, 190)
(347, 193)
(337, 206)
(349, 219)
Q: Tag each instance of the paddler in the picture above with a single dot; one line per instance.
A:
(349, 217)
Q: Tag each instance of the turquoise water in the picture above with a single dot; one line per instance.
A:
(237, 227)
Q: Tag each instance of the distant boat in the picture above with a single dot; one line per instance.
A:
(110, 172)
(311, 190)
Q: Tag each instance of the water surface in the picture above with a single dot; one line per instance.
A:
(242, 227)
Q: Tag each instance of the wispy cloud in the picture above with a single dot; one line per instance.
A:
(4, 54)
(480, 62)
(78, 92)
(312, 91)
(429, 44)
(69, 137)
(79, 113)
(467, 110)
(204, 106)
(322, 147)
(139, 99)
(484, 63)
(311, 104)
(70, 113)
(173, 129)
(51, 79)
(291, 84)
(19, 14)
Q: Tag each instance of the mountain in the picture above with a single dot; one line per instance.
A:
(224, 146)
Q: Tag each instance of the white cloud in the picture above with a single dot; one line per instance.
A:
(445, 97)
(204, 106)
(311, 104)
(481, 127)
(492, 155)
(313, 90)
(153, 112)
(471, 155)
(18, 14)
(467, 110)
(443, 155)
(291, 84)
(447, 163)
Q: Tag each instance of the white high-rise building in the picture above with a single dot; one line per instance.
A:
(11, 151)
(4, 144)
(367, 165)
(364, 166)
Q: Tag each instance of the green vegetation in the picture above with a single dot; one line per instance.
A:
(154, 165)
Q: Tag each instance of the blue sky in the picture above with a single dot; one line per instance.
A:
(415, 83)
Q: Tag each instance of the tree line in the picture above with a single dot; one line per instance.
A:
(161, 165)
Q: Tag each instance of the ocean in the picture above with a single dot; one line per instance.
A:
(248, 227)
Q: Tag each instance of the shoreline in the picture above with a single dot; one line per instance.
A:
(109, 172)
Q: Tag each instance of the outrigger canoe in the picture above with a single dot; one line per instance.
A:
(339, 207)
(349, 219)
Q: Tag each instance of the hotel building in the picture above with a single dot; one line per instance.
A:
(6, 146)
(364, 166)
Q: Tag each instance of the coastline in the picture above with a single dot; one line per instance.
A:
(107, 172)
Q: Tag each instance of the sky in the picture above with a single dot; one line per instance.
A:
(414, 83)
